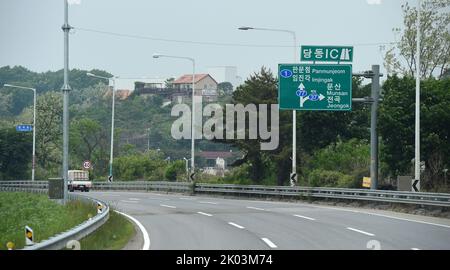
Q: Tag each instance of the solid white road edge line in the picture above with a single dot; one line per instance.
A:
(236, 225)
(304, 217)
(146, 245)
(269, 243)
(359, 231)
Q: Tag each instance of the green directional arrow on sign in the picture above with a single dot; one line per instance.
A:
(315, 87)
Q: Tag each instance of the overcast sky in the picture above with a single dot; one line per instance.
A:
(31, 34)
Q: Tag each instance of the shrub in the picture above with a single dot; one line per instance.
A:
(323, 178)
(175, 171)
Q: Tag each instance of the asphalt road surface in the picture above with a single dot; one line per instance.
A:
(175, 221)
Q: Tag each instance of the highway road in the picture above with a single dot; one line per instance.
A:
(175, 221)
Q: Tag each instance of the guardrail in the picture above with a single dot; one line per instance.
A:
(420, 198)
(404, 197)
(60, 240)
(144, 185)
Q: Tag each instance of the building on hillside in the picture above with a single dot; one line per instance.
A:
(130, 83)
(204, 84)
(216, 162)
(180, 89)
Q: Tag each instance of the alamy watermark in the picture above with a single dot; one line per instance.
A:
(241, 122)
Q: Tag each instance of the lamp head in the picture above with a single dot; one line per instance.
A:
(245, 28)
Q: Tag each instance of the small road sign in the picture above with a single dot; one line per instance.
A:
(311, 87)
(110, 178)
(87, 164)
(29, 236)
(366, 182)
(415, 185)
(24, 128)
(99, 208)
(293, 178)
(191, 176)
(326, 53)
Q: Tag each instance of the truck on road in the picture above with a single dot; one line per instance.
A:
(78, 180)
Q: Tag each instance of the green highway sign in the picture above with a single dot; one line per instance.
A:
(311, 87)
(326, 53)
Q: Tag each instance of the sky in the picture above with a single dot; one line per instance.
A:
(31, 34)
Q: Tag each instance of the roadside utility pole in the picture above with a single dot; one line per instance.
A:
(374, 75)
(66, 89)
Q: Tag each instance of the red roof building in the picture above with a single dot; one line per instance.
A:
(204, 84)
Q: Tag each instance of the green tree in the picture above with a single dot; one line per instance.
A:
(225, 87)
(396, 125)
(169, 82)
(85, 137)
(319, 129)
(435, 41)
(176, 171)
(43, 82)
(261, 88)
(340, 164)
(15, 154)
(140, 166)
(48, 133)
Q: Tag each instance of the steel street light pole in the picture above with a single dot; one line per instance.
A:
(294, 112)
(33, 164)
(66, 89)
(113, 79)
(417, 118)
(157, 55)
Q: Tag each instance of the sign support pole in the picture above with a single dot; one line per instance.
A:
(375, 89)
(417, 107)
(293, 177)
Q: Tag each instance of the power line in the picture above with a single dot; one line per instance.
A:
(208, 43)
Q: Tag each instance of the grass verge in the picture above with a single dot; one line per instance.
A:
(44, 216)
(113, 235)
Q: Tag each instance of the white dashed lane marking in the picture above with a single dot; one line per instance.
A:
(208, 202)
(255, 208)
(236, 225)
(269, 243)
(205, 214)
(308, 218)
(359, 231)
(168, 206)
